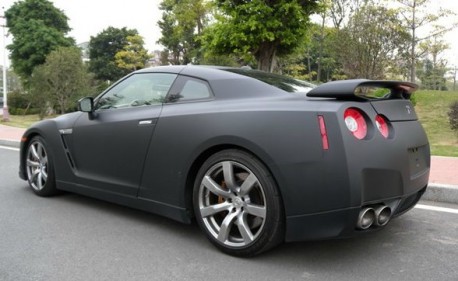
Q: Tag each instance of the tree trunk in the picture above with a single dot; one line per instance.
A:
(414, 43)
(320, 51)
(266, 56)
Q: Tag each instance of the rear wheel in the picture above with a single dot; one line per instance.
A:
(39, 168)
(237, 204)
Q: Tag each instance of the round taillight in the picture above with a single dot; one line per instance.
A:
(382, 126)
(356, 123)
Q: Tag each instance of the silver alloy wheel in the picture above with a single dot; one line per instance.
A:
(37, 165)
(232, 204)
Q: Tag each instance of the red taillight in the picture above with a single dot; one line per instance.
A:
(356, 123)
(323, 132)
(382, 126)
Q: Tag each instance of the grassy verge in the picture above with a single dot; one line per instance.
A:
(432, 108)
(22, 121)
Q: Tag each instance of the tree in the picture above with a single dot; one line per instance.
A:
(133, 56)
(37, 28)
(341, 10)
(416, 16)
(453, 116)
(182, 23)
(260, 29)
(103, 49)
(433, 66)
(320, 55)
(372, 42)
(60, 81)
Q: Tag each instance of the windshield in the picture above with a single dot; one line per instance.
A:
(285, 83)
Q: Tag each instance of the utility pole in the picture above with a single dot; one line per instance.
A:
(454, 79)
(6, 114)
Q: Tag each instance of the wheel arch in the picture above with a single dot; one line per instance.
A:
(25, 141)
(198, 161)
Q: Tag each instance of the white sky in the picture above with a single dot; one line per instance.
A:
(88, 18)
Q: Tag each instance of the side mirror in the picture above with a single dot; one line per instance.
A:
(86, 105)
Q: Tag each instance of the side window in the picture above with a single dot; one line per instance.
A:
(139, 89)
(195, 89)
(188, 88)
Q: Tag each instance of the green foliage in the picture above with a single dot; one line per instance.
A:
(259, 30)
(60, 82)
(103, 49)
(432, 68)
(321, 55)
(415, 17)
(20, 104)
(432, 108)
(37, 28)
(372, 42)
(18, 100)
(181, 24)
(453, 116)
(133, 56)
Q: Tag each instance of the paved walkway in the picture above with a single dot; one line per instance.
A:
(11, 133)
(444, 170)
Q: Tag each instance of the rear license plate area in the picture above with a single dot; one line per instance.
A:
(418, 160)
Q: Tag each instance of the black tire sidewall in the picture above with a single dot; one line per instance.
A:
(49, 188)
(273, 229)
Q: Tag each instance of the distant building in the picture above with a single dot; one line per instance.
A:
(155, 59)
(13, 81)
(84, 51)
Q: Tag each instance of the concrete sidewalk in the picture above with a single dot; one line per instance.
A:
(443, 180)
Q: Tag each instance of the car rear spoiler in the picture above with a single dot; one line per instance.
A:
(346, 89)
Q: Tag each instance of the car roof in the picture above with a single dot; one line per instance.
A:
(207, 72)
(249, 82)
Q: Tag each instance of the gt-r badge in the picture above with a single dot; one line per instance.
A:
(66, 131)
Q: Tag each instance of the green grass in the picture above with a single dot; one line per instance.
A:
(432, 108)
(22, 121)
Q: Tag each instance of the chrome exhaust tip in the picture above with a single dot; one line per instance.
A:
(382, 215)
(366, 218)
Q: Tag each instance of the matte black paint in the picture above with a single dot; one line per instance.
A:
(151, 167)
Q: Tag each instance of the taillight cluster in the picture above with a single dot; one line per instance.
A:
(356, 123)
(382, 126)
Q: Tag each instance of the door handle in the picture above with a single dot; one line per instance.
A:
(145, 122)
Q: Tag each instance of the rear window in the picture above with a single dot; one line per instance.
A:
(285, 83)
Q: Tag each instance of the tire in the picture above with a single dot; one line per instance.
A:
(40, 168)
(237, 204)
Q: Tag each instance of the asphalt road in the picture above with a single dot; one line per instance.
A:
(70, 237)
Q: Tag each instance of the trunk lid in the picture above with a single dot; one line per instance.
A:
(395, 110)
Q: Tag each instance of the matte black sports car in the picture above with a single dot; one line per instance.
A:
(255, 158)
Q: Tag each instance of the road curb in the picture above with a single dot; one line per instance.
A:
(10, 143)
(444, 193)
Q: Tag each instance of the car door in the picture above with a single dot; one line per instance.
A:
(109, 145)
(175, 138)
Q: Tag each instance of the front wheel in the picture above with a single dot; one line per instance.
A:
(39, 168)
(237, 204)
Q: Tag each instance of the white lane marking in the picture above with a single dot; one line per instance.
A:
(9, 148)
(437, 209)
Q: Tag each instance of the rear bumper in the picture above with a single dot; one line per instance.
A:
(325, 195)
(341, 223)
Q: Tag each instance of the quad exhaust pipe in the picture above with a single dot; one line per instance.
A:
(377, 215)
